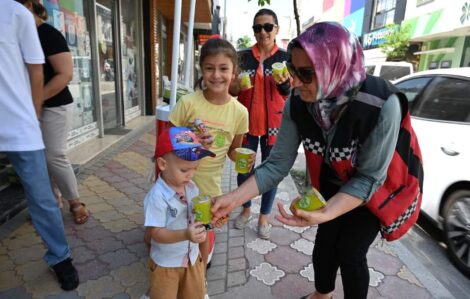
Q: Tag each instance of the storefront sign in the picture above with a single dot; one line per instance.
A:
(433, 65)
(445, 64)
(375, 38)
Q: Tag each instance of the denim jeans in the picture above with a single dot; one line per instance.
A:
(267, 199)
(45, 214)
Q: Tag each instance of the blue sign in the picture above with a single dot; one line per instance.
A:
(354, 21)
(375, 38)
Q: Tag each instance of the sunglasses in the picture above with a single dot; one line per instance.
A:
(268, 27)
(304, 74)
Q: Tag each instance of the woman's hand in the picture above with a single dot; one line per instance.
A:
(301, 218)
(284, 77)
(221, 207)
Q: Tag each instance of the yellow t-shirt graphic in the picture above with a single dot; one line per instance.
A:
(223, 122)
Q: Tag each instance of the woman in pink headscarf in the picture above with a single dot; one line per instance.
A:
(349, 124)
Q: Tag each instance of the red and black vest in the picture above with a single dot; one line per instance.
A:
(396, 203)
(274, 99)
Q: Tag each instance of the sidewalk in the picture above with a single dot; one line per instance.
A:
(111, 258)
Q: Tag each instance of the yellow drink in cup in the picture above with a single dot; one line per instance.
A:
(311, 200)
(242, 157)
(202, 209)
(279, 70)
(245, 82)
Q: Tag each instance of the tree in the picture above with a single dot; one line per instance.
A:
(396, 42)
(244, 42)
(296, 12)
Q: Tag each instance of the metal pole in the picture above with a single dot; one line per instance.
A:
(189, 46)
(176, 46)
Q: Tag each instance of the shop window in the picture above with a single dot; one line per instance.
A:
(130, 71)
(72, 20)
(384, 13)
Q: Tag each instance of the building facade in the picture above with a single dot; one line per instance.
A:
(106, 42)
(443, 30)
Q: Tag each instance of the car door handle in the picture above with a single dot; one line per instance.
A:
(449, 152)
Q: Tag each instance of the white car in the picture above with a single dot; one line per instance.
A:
(439, 102)
(389, 70)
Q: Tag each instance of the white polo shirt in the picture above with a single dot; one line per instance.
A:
(19, 44)
(163, 208)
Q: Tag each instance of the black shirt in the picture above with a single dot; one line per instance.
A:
(53, 42)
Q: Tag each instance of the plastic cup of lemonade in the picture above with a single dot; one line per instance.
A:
(202, 209)
(311, 200)
(279, 70)
(242, 157)
(245, 82)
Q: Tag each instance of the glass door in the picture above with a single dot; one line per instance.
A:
(105, 12)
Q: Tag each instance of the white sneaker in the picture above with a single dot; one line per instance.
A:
(264, 231)
(241, 221)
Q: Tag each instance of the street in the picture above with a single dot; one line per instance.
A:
(429, 249)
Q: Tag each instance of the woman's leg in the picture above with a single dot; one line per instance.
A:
(55, 124)
(324, 257)
(359, 230)
(267, 199)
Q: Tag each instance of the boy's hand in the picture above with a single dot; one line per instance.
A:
(196, 232)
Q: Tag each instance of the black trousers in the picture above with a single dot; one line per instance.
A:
(343, 243)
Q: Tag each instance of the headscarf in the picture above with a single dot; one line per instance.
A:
(338, 60)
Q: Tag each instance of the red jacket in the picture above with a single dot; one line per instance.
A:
(275, 95)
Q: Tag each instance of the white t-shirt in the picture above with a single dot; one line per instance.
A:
(163, 208)
(19, 44)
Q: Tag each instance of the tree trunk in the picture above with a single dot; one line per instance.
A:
(296, 14)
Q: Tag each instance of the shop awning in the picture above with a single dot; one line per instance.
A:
(203, 10)
(436, 51)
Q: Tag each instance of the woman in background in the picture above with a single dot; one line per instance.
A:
(57, 111)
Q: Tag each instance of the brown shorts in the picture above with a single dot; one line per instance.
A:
(178, 282)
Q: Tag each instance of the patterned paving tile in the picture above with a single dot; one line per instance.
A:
(308, 272)
(292, 286)
(261, 246)
(376, 277)
(304, 246)
(135, 162)
(296, 229)
(104, 287)
(284, 196)
(267, 273)
(290, 261)
(406, 274)
(395, 287)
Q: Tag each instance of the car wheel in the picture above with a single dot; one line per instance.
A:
(457, 229)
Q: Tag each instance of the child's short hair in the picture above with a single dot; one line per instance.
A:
(183, 143)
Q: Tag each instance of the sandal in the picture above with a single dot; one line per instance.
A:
(80, 213)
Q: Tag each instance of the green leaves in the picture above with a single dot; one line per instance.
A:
(263, 2)
(244, 42)
(396, 43)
